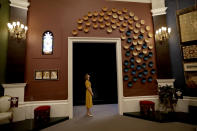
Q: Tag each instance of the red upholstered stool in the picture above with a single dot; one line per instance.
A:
(42, 114)
(145, 107)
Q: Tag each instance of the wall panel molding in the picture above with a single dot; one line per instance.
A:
(59, 108)
(159, 11)
(22, 4)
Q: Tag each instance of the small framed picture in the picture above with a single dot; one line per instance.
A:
(54, 75)
(38, 75)
(46, 75)
(14, 101)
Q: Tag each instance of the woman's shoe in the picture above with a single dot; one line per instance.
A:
(90, 115)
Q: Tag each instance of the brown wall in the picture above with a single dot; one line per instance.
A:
(60, 18)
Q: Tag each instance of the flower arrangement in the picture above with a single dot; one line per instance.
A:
(167, 97)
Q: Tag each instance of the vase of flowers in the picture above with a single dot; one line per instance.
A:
(167, 98)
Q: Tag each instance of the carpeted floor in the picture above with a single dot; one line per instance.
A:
(106, 118)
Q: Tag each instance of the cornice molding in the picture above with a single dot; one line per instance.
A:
(14, 85)
(22, 4)
(159, 11)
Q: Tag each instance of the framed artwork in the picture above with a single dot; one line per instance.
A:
(47, 43)
(54, 75)
(46, 75)
(189, 52)
(191, 79)
(187, 21)
(188, 26)
(38, 75)
(190, 66)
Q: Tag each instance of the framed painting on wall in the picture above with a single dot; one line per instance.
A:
(189, 52)
(191, 79)
(46, 75)
(54, 75)
(188, 24)
(38, 75)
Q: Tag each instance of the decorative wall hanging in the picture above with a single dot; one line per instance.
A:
(130, 84)
(187, 23)
(136, 39)
(47, 43)
(190, 66)
(189, 52)
(38, 75)
(188, 26)
(54, 75)
(46, 75)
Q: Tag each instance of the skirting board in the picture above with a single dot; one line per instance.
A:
(131, 104)
(59, 108)
(183, 104)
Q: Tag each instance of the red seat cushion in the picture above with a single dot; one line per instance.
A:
(147, 102)
(42, 108)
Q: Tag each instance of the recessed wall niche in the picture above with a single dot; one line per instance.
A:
(47, 43)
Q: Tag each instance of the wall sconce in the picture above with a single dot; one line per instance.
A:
(17, 30)
(162, 34)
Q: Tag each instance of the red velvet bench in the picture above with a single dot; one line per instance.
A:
(42, 114)
(145, 107)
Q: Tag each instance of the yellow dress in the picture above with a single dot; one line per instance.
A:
(88, 94)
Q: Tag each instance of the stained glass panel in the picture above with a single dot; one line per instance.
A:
(47, 45)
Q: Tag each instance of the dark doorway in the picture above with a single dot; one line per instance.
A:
(98, 60)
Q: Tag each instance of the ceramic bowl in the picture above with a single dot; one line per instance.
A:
(132, 47)
(150, 54)
(130, 84)
(143, 80)
(144, 46)
(134, 78)
(153, 71)
(132, 66)
(126, 70)
(126, 78)
(145, 58)
(141, 55)
(133, 72)
(129, 40)
(127, 53)
(145, 72)
(140, 75)
(140, 36)
(132, 59)
(128, 33)
(138, 67)
(144, 65)
(150, 64)
(150, 79)
(126, 62)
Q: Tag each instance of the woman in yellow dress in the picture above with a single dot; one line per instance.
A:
(89, 94)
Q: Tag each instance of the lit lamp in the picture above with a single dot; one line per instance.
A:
(162, 34)
(17, 30)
